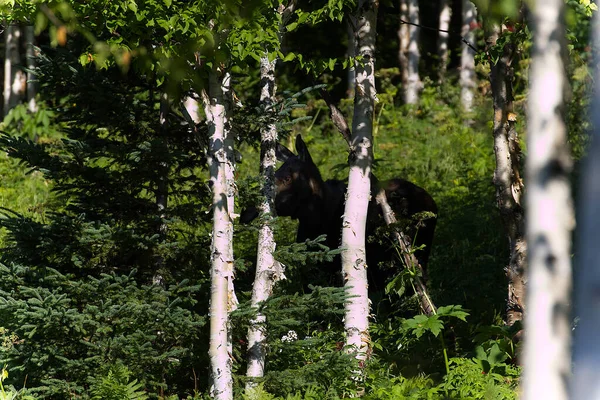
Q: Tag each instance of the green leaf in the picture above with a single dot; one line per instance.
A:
(332, 62)
(168, 3)
(453, 311)
(132, 6)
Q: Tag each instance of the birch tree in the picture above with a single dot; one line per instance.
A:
(354, 267)
(220, 162)
(586, 352)
(30, 54)
(268, 270)
(14, 79)
(507, 178)
(413, 84)
(445, 15)
(467, 56)
(403, 40)
(550, 216)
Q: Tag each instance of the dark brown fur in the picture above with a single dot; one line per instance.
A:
(319, 205)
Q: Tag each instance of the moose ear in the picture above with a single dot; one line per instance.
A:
(302, 150)
(283, 153)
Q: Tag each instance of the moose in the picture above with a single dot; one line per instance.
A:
(318, 205)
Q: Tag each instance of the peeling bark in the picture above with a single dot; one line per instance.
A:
(354, 267)
(550, 216)
(467, 57)
(222, 301)
(268, 270)
(509, 185)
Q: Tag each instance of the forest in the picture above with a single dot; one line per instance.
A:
(291, 199)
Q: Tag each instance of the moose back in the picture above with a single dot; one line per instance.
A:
(318, 205)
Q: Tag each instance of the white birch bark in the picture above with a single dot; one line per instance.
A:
(445, 15)
(411, 95)
(221, 300)
(268, 270)
(192, 108)
(550, 216)
(586, 352)
(507, 178)
(354, 265)
(14, 80)
(467, 57)
(30, 54)
(403, 40)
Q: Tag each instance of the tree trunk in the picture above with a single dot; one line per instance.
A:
(268, 270)
(403, 40)
(162, 184)
(222, 300)
(467, 58)
(414, 84)
(507, 179)
(30, 54)
(550, 217)
(445, 14)
(354, 265)
(585, 383)
(351, 74)
(14, 79)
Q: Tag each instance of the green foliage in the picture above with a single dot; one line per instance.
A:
(434, 323)
(467, 380)
(10, 393)
(116, 385)
(68, 336)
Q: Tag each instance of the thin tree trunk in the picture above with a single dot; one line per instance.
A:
(509, 186)
(550, 216)
(354, 265)
(161, 192)
(351, 74)
(162, 186)
(413, 80)
(467, 58)
(268, 270)
(221, 302)
(14, 79)
(30, 54)
(403, 40)
(445, 15)
(585, 383)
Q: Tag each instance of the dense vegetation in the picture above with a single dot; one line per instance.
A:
(98, 300)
